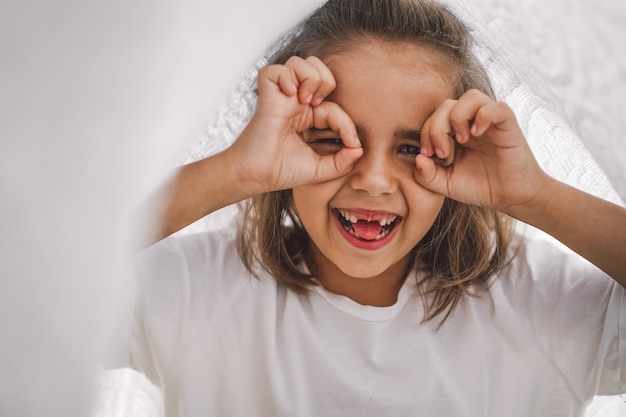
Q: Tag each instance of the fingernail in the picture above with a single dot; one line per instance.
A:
(474, 129)
(439, 153)
(317, 101)
(309, 98)
(458, 137)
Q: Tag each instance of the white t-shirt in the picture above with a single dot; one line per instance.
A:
(547, 337)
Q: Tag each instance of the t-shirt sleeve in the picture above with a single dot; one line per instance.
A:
(576, 312)
(180, 285)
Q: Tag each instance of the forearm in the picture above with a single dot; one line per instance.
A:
(590, 226)
(197, 190)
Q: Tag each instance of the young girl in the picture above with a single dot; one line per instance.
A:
(375, 270)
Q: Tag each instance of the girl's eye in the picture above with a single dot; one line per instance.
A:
(409, 150)
(327, 146)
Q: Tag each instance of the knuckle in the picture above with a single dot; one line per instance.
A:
(332, 84)
(293, 60)
(331, 106)
(313, 60)
(481, 114)
(311, 78)
(504, 106)
(458, 115)
(267, 70)
(271, 72)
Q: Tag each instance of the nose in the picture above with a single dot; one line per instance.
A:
(374, 174)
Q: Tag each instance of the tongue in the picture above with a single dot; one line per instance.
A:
(367, 230)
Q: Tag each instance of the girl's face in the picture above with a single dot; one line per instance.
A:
(364, 225)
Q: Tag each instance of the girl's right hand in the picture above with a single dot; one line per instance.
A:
(271, 153)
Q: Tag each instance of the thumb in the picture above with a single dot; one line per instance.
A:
(338, 164)
(430, 175)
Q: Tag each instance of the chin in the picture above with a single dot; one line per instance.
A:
(362, 271)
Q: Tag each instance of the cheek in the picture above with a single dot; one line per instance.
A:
(424, 206)
(300, 202)
(316, 195)
(309, 203)
(312, 205)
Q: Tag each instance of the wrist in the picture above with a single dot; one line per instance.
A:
(241, 174)
(536, 201)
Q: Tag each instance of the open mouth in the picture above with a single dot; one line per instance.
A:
(367, 227)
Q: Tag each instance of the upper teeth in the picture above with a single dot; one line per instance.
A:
(388, 220)
(352, 218)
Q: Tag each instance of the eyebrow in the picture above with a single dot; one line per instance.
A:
(409, 134)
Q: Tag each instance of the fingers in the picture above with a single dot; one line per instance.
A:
(436, 137)
(464, 112)
(327, 83)
(338, 164)
(460, 122)
(430, 175)
(273, 75)
(493, 114)
(472, 121)
(329, 115)
(310, 79)
(475, 113)
(313, 79)
(452, 122)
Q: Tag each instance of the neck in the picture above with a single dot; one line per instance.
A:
(378, 291)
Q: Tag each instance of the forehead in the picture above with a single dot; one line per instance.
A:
(402, 82)
(401, 52)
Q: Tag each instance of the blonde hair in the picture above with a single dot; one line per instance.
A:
(466, 244)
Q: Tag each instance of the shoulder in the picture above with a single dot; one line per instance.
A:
(194, 253)
(539, 260)
(550, 285)
(189, 272)
(182, 284)
(196, 246)
(570, 308)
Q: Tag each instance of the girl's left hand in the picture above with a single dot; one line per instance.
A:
(491, 164)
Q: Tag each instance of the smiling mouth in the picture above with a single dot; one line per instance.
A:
(367, 227)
